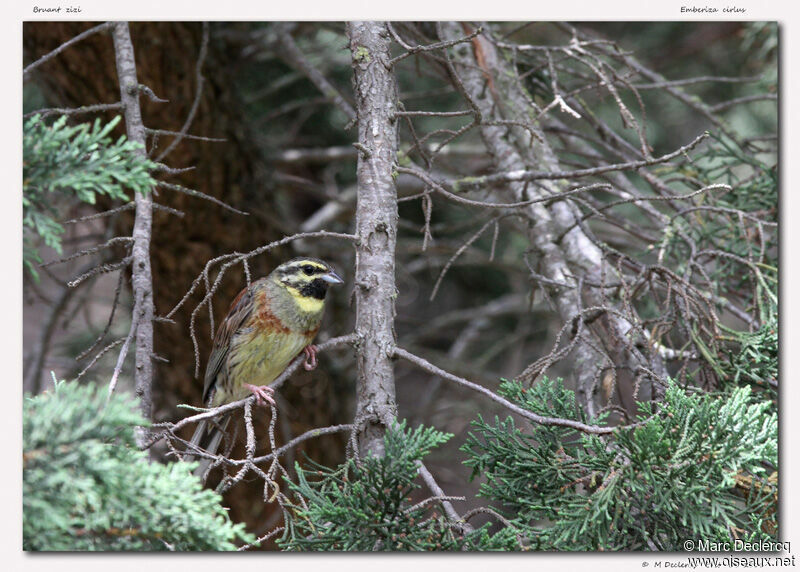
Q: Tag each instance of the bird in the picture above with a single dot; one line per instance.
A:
(269, 323)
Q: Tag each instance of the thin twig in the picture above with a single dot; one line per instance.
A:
(310, 434)
(539, 419)
(125, 207)
(82, 110)
(440, 188)
(194, 193)
(411, 50)
(458, 253)
(112, 384)
(109, 321)
(180, 136)
(101, 269)
(451, 513)
(295, 58)
(261, 539)
(100, 354)
(739, 100)
(279, 381)
(107, 244)
(50, 55)
(524, 175)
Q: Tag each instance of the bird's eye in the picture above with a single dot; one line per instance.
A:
(308, 270)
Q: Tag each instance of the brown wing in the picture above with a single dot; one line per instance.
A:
(241, 308)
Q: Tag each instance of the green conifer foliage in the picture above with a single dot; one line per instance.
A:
(697, 468)
(677, 475)
(80, 161)
(364, 505)
(86, 485)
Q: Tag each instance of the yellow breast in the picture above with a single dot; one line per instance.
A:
(258, 358)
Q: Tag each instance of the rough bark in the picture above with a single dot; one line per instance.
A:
(142, 281)
(376, 226)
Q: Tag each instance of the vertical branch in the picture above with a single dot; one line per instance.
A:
(552, 260)
(476, 67)
(142, 277)
(376, 227)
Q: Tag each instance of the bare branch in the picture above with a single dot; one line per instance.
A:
(262, 539)
(142, 281)
(740, 100)
(310, 434)
(82, 110)
(198, 194)
(458, 253)
(458, 185)
(524, 175)
(107, 244)
(101, 269)
(539, 419)
(451, 513)
(125, 207)
(110, 320)
(179, 135)
(50, 55)
(100, 354)
(411, 50)
(695, 80)
(123, 353)
(33, 374)
(151, 95)
(295, 58)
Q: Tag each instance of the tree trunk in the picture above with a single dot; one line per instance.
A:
(376, 226)
(142, 321)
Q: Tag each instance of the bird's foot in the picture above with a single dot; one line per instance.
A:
(311, 357)
(263, 394)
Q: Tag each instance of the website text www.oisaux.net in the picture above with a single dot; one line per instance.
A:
(734, 562)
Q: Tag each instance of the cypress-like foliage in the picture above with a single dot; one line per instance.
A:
(80, 161)
(700, 466)
(677, 475)
(365, 505)
(86, 486)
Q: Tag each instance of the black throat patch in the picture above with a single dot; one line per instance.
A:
(315, 289)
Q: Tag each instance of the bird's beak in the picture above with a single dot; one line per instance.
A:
(332, 278)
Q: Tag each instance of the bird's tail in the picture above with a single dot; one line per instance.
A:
(210, 433)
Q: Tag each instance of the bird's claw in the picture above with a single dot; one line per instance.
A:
(263, 394)
(311, 357)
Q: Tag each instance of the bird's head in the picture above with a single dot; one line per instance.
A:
(306, 279)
